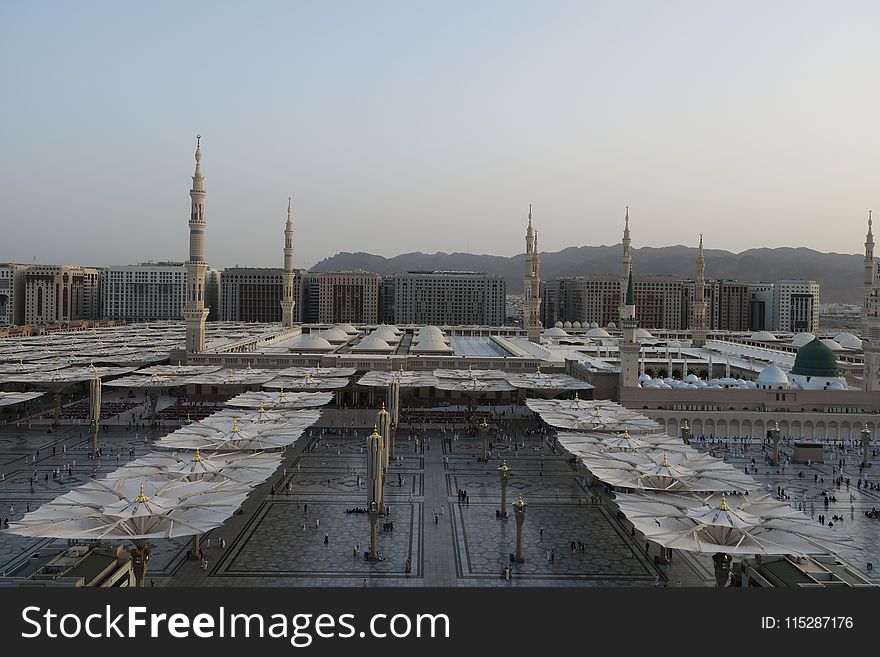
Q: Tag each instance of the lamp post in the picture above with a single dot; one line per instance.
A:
(866, 443)
(504, 472)
(374, 490)
(484, 431)
(519, 511)
(95, 404)
(722, 568)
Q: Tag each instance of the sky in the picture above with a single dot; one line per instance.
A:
(430, 126)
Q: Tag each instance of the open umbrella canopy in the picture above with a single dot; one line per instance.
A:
(278, 417)
(307, 382)
(151, 382)
(584, 415)
(12, 398)
(585, 444)
(246, 468)
(274, 401)
(470, 373)
(406, 378)
(179, 370)
(683, 471)
(246, 376)
(541, 381)
(741, 527)
(228, 434)
(318, 372)
(134, 509)
(64, 377)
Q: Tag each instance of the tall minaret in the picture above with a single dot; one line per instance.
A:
(699, 327)
(194, 311)
(532, 284)
(628, 346)
(287, 301)
(871, 315)
(626, 263)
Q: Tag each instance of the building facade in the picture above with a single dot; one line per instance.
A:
(796, 306)
(348, 296)
(53, 294)
(447, 297)
(150, 291)
(251, 294)
(12, 287)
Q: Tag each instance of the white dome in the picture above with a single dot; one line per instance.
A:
(386, 333)
(644, 377)
(557, 325)
(348, 328)
(566, 325)
(831, 344)
(801, 339)
(596, 332)
(555, 332)
(595, 325)
(763, 336)
(372, 343)
(334, 334)
(692, 378)
(848, 340)
(310, 342)
(575, 325)
(773, 377)
(674, 343)
(836, 385)
(431, 346)
(610, 325)
(644, 334)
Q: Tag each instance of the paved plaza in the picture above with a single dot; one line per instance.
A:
(302, 527)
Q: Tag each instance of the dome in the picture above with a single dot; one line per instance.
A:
(763, 336)
(596, 325)
(386, 333)
(334, 334)
(692, 378)
(801, 339)
(644, 377)
(372, 343)
(773, 377)
(643, 334)
(610, 325)
(566, 325)
(831, 344)
(310, 342)
(848, 340)
(575, 325)
(836, 385)
(815, 359)
(557, 325)
(596, 332)
(348, 328)
(673, 343)
(431, 346)
(555, 332)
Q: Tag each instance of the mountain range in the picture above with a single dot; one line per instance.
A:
(839, 275)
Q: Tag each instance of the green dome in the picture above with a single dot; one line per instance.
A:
(815, 359)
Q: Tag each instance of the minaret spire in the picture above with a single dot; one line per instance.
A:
(871, 314)
(700, 315)
(628, 347)
(625, 264)
(532, 285)
(195, 312)
(287, 302)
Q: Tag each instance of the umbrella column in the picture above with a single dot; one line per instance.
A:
(686, 432)
(140, 555)
(154, 404)
(866, 443)
(504, 473)
(774, 436)
(484, 434)
(374, 491)
(519, 512)
(95, 411)
(384, 420)
(57, 417)
(722, 568)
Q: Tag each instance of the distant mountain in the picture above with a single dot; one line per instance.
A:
(840, 275)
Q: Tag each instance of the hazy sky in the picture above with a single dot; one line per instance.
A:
(427, 126)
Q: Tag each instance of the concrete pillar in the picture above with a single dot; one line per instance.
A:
(504, 472)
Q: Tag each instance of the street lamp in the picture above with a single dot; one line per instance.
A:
(866, 442)
(504, 473)
(519, 512)
(374, 491)
(484, 428)
(774, 435)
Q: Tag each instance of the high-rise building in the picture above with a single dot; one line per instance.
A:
(795, 306)
(212, 294)
(348, 296)
(871, 314)
(53, 294)
(532, 285)
(449, 297)
(150, 291)
(251, 294)
(194, 311)
(92, 293)
(12, 287)
(760, 300)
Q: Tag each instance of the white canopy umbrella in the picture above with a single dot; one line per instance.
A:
(12, 398)
(582, 415)
(307, 382)
(318, 372)
(246, 468)
(406, 379)
(226, 434)
(280, 400)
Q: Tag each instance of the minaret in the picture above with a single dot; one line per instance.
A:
(194, 311)
(628, 346)
(700, 315)
(287, 301)
(625, 265)
(871, 315)
(532, 284)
